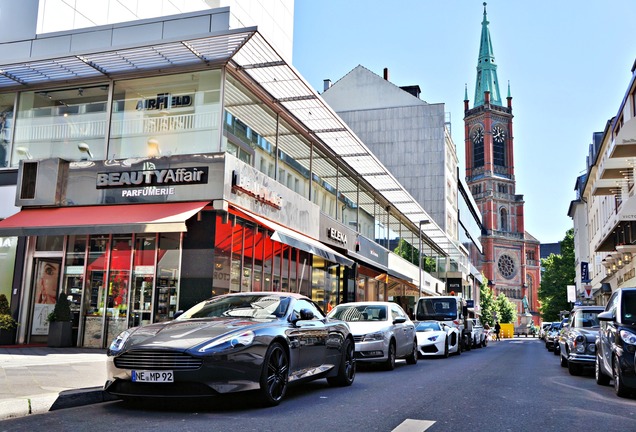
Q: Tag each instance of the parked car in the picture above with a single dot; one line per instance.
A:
(577, 341)
(543, 329)
(551, 335)
(450, 309)
(382, 331)
(243, 341)
(616, 342)
(478, 335)
(436, 338)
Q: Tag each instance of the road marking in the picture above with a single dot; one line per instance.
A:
(410, 425)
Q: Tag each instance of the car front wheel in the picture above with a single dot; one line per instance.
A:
(389, 364)
(619, 386)
(275, 375)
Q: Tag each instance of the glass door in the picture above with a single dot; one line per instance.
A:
(141, 297)
(118, 282)
(92, 318)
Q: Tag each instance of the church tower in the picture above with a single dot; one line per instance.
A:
(511, 260)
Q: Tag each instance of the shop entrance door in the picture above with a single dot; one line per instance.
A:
(46, 281)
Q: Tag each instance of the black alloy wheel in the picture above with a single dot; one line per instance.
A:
(601, 378)
(412, 358)
(275, 375)
(347, 369)
(389, 364)
(446, 349)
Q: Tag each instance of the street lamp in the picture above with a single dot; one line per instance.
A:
(419, 260)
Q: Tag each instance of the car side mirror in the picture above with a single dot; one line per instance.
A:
(606, 316)
(399, 320)
(302, 315)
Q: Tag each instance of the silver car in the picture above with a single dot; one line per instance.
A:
(382, 331)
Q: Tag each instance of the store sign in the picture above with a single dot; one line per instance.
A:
(249, 186)
(585, 272)
(336, 235)
(164, 101)
(156, 177)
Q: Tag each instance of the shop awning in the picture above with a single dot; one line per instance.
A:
(300, 241)
(128, 218)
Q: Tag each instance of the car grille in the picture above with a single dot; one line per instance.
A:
(157, 360)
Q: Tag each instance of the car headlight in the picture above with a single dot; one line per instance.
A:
(377, 336)
(628, 337)
(232, 341)
(433, 338)
(119, 342)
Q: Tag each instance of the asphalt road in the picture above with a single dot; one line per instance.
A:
(512, 385)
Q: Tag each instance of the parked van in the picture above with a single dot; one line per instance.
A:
(450, 309)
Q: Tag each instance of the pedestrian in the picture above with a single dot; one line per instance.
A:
(497, 330)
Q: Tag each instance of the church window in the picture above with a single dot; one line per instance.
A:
(503, 219)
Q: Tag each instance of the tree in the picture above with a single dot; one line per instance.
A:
(558, 273)
(507, 311)
(487, 304)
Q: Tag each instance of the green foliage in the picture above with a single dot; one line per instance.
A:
(559, 272)
(487, 304)
(412, 254)
(507, 309)
(6, 320)
(62, 309)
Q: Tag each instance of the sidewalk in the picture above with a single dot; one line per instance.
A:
(37, 379)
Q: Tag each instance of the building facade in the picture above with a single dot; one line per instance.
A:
(604, 211)
(511, 255)
(156, 163)
(412, 139)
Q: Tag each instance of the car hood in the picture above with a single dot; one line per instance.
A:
(422, 336)
(359, 328)
(187, 334)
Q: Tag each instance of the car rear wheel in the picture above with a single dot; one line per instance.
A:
(619, 386)
(601, 378)
(389, 364)
(275, 375)
(412, 358)
(347, 369)
(484, 343)
(446, 349)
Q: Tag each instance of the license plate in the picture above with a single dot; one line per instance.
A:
(153, 376)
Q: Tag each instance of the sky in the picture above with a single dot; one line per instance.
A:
(568, 63)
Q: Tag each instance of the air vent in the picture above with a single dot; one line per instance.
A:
(28, 180)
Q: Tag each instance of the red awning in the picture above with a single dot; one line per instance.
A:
(105, 219)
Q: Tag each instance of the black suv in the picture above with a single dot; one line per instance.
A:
(616, 342)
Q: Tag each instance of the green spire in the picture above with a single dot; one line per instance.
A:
(486, 68)
(465, 92)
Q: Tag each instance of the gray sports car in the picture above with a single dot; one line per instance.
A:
(244, 341)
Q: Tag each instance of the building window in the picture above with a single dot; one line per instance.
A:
(170, 111)
(503, 219)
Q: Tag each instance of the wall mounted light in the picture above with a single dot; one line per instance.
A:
(153, 147)
(24, 152)
(84, 148)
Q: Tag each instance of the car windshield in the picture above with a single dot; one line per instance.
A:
(240, 306)
(586, 319)
(351, 313)
(441, 309)
(427, 326)
(628, 307)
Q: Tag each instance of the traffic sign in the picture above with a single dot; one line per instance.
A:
(588, 291)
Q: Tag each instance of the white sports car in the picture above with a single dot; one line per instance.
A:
(436, 338)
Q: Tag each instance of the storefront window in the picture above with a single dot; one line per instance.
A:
(166, 115)
(116, 305)
(93, 310)
(6, 126)
(8, 248)
(141, 295)
(61, 123)
(74, 276)
(49, 244)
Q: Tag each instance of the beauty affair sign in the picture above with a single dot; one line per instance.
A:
(152, 181)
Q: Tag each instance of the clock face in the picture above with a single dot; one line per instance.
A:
(478, 136)
(498, 134)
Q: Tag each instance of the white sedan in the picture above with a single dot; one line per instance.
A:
(382, 331)
(435, 338)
